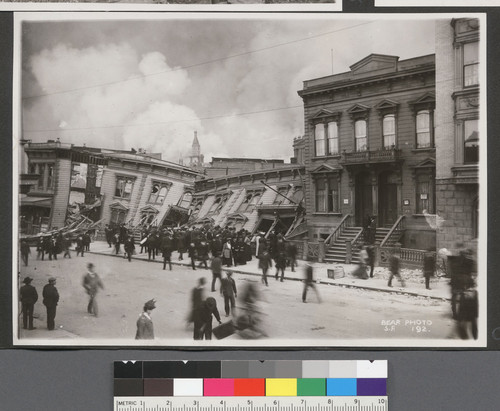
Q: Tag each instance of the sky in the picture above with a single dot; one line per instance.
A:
(151, 84)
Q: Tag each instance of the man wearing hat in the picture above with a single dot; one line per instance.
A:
(228, 289)
(29, 297)
(50, 300)
(145, 329)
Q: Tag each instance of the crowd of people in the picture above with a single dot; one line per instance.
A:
(51, 245)
(217, 248)
(203, 244)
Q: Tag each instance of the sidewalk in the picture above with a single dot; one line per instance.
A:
(415, 285)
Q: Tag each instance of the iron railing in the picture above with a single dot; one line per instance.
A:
(338, 230)
(395, 230)
(371, 156)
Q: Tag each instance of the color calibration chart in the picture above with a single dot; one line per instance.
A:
(357, 385)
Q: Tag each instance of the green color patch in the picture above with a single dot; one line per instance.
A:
(311, 387)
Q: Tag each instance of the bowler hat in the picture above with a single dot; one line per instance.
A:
(150, 305)
(27, 280)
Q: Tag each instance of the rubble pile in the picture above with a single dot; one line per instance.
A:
(410, 275)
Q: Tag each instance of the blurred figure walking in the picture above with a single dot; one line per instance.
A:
(92, 282)
(309, 280)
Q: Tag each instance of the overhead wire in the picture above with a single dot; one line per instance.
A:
(186, 67)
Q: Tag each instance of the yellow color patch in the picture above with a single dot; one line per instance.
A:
(281, 387)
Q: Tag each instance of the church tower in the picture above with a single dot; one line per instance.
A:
(195, 159)
(195, 150)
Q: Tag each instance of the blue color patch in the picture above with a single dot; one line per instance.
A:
(341, 386)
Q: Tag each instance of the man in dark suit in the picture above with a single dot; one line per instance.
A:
(166, 249)
(203, 319)
(129, 247)
(50, 300)
(229, 292)
(29, 297)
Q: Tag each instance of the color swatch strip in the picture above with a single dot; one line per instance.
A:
(250, 378)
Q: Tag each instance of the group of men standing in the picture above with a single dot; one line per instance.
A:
(29, 296)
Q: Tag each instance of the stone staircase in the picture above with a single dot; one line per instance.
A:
(381, 233)
(336, 253)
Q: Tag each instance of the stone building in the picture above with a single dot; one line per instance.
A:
(457, 131)
(369, 150)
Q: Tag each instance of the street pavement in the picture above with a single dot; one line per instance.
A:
(352, 309)
(440, 288)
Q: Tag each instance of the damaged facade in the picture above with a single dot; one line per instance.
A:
(263, 200)
(66, 183)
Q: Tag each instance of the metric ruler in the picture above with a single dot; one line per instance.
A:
(333, 403)
(250, 385)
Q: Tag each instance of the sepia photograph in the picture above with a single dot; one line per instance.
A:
(260, 180)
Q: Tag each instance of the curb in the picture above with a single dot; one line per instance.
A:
(361, 287)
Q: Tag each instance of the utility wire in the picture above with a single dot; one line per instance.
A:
(164, 122)
(196, 64)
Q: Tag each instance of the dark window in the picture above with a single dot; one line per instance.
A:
(471, 141)
(327, 194)
(124, 187)
(425, 194)
(50, 176)
(41, 171)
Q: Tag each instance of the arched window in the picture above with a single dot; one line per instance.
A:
(360, 134)
(162, 194)
(158, 192)
(423, 129)
(186, 200)
(389, 130)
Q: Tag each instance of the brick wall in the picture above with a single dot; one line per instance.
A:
(456, 206)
